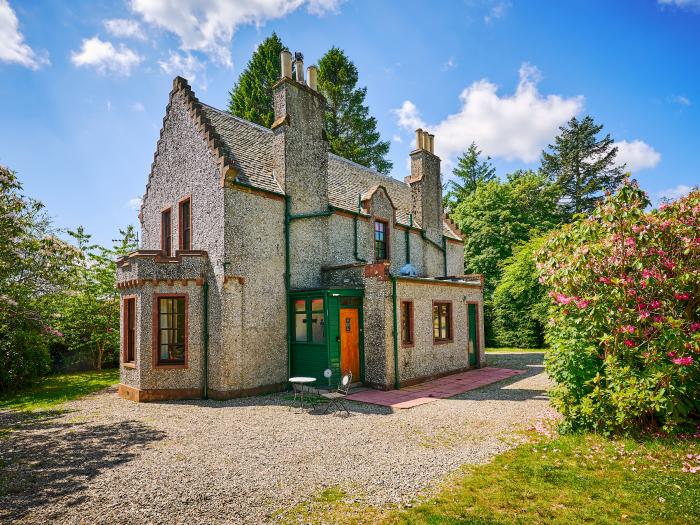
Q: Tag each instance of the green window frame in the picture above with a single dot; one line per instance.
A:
(309, 321)
(381, 232)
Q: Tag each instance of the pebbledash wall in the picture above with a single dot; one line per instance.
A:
(238, 249)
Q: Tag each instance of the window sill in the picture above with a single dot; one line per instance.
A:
(442, 341)
(129, 364)
(170, 367)
(408, 345)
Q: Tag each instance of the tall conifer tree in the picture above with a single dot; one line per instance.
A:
(352, 132)
(582, 166)
(251, 97)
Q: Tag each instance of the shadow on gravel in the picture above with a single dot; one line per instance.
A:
(44, 458)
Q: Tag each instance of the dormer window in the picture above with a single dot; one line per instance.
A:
(166, 232)
(381, 252)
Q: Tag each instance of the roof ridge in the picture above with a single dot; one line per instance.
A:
(239, 119)
(372, 171)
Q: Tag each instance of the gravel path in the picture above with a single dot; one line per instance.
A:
(106, 460)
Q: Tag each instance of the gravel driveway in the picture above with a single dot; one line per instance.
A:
(107, 460)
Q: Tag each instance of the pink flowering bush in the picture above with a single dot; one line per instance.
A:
(624, 327)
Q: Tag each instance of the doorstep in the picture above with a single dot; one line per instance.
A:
(431, 391)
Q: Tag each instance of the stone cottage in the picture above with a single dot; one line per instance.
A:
(266, 256)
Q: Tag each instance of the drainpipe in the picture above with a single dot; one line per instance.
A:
(397, 383)
(205, 315)
(359, 209)
(408, 238)
(444, 255)
(287, 282)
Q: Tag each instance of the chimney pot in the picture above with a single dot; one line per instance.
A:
(431, 142)
(299, 67)
(419, 138)
(312, 73)
(286, 60)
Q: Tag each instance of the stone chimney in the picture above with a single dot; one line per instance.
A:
(426, 187)
(300, 165)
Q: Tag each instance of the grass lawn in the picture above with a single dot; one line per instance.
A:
(53, 390)
(514, 350)
(568, 480)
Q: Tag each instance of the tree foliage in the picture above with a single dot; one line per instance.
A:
(582, 165)
(625, 319)
(520, 302)
(351, 131)
(251, 96)
(469, 173)
(500, 215)
(34, 265)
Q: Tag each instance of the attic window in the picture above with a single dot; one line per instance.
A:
(380, 241)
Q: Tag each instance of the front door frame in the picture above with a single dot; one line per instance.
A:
(476, 333)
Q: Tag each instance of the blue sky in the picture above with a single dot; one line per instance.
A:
(83, 88)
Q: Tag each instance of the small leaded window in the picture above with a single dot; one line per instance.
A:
(185, 225)
(309, 321)
(380, 244)
(406, 323)
(300, 334)
(442, 322)
(129, 330)
(166, 232)
(171, 330)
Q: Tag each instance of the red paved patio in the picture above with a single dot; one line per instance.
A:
(431, 391)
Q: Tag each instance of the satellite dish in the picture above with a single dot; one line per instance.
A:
(327, 373)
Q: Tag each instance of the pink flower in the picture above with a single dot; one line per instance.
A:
(694, 327)
(629, 342)
(632, 292)
(629, 241)
(644, 314)
(682, 361)
(658, 319)
(605, 280)
(682, 296)
(582, 303)
(669, 264)
(671, 354)
(655, 303)
(627, 329)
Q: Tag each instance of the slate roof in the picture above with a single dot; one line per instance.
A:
(249, 146)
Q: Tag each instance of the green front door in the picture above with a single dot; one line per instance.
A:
(473, 343)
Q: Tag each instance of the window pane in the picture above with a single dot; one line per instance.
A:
(350, 301)
(436, 322)
(317, 305)
(300, 305)
(171, 330)
(317, 326)
(300, 327)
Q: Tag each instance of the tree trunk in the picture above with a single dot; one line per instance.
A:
(100, 352)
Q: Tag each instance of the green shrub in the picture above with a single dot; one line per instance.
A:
(624, 328)
(520, 301)
(24, 354)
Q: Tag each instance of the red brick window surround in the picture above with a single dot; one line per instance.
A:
(166, 232)
(170, 330)
(129, 343)
(185, 223)
(381, 240)
(442, 321)
(407, 338)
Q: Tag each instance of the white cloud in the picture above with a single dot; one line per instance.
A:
(104, 57)
(12, 46)
(450, 64)
(124, 28)
(497, 11)
(675, 193)
(680, 99)
(397, 138)
(134, 204)
(638, 155)
(185, 65)
(138, 107)
(209, 26)
(511, 127)
(683, 4)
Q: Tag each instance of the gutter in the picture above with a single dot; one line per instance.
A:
(397, 383)
(287, 282)
(205, 334)
(408, 238)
